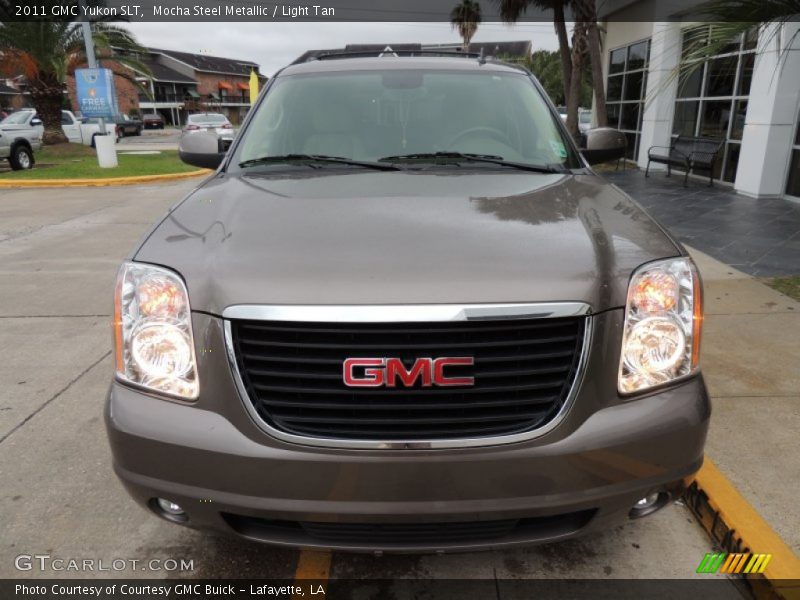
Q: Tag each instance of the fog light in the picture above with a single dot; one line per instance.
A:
(649, 504)
(645, 502)
(169, 510)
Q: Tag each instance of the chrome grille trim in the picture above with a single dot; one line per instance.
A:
(406, 314)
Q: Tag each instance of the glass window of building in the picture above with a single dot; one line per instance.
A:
(626, 87)
(712, 99)
(793, 176)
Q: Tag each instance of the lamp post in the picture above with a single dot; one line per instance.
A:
(91, 59)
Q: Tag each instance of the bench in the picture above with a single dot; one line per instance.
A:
(686, 153)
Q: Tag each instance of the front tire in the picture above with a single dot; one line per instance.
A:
(21, 158)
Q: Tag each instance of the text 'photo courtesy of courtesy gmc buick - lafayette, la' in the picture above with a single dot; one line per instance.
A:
(405, 315)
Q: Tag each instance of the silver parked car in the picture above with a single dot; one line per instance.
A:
(209, 122)
(20, 137)
(584, 119)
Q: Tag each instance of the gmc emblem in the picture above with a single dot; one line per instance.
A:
(380, 372)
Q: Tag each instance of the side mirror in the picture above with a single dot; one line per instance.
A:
(204, 150)
(36, 121)
(604, 144)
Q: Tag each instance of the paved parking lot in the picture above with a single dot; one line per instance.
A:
(59, 250)
(151, 139)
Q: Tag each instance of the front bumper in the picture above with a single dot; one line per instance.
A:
(232, 477)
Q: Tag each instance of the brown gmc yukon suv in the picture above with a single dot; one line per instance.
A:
(404, 314)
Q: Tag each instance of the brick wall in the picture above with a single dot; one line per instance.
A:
(208, 83)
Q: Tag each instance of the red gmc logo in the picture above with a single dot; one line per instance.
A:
(380, 372)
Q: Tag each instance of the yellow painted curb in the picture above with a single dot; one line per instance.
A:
(40, 183)
(312, 565)
(736, 520)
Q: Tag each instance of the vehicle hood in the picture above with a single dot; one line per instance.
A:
(366, 237)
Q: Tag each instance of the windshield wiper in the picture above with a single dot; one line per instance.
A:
(485, 158)
(317, 158)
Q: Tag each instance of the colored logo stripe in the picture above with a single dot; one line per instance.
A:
(733, 563)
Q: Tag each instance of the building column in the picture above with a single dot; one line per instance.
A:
(771, 113)
(662, 86)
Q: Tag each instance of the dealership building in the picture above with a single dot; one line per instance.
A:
(748, 96)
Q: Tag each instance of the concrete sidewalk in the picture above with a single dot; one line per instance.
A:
(760, 237)
(750, 356)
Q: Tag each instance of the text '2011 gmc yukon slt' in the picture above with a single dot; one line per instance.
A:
(405, 315)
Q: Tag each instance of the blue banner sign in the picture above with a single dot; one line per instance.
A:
(97, 96)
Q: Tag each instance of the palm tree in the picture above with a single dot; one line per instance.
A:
(512, 10)
(587, 13)
(585, 40)
(465, 17)
(45, 52)
(732, 19)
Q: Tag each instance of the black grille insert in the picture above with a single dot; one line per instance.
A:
(410, 534)
(523, 371)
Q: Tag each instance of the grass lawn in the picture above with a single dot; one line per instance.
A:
(786, 285)
(76, 161)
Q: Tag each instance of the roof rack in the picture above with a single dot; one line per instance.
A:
(389, 52)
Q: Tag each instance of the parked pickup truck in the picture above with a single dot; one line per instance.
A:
(83, 130)
(78, 130)
(128, 125)
(19, 139)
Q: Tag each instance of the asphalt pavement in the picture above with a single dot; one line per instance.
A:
(151, 139)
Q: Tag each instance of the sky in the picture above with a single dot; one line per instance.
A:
(274, 45)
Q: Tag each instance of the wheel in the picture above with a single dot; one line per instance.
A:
(138, 131)
(21, 158)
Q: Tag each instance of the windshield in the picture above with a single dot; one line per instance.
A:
(585, 117)
(17, 118)
(207, 118)
(389, 115)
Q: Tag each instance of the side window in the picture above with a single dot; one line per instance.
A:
(66, 119)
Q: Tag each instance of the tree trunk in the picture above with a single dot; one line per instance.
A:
(47, 96)
(596, 58)
(573, 99)
(563, 46)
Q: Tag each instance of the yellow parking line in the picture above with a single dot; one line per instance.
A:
(313, 564)
(738, 514)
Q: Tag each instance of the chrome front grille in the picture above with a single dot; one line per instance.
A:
(291, 374)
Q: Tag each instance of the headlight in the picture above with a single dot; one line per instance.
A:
(663, 317)
(153, 338)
